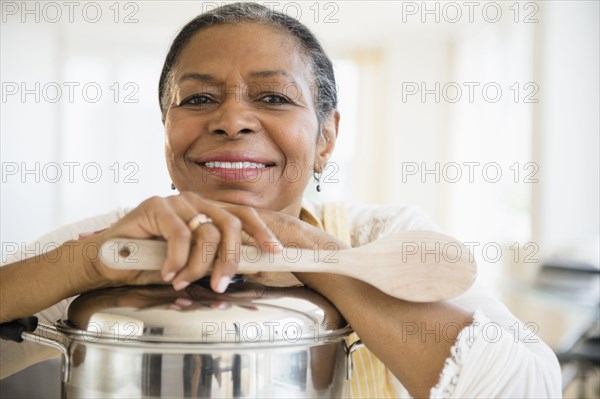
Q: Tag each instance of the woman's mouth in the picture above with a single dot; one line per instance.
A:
(240, 171)
(234, 165)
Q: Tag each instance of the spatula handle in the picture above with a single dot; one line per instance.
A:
(418, 266)
(142, 254)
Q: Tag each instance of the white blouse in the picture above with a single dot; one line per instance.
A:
(497, 356)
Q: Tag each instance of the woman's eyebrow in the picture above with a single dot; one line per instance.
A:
(208, 78)
(270, 74)
(203, 77)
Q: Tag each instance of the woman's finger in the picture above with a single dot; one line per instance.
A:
(252, 223)
(172, 218)
(257, 228)
(159, 218)
(190, 254)
(204, 249)
(205, 238)
(229, 251)
(229, 248)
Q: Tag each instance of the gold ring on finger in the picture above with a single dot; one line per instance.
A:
(198, 221)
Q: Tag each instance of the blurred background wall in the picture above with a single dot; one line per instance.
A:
(485, 114)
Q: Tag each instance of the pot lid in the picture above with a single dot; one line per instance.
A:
(247, 313)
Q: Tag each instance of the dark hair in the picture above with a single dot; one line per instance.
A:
(325, 93)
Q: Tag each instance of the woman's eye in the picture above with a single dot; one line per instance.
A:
(275, 99)
(197, 99)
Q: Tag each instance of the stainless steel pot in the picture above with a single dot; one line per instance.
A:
(252, 341)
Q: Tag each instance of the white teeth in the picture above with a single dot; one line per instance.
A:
(234, 165)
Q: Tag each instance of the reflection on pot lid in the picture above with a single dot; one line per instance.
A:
(248, 313)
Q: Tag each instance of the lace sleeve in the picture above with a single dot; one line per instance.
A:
(370, 222)
(489, 361)
(458, 353)
(488, 358)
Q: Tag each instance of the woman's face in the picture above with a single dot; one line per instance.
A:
(242, 126)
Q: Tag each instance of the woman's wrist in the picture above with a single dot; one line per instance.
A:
(82, 274)
(334, 287)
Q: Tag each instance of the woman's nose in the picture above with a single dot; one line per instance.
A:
(234, 117)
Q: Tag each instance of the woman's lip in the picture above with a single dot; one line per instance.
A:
(229, 175)
(233, 157)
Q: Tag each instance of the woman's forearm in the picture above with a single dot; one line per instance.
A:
(413, 340)
(36, 283)
(33, 284)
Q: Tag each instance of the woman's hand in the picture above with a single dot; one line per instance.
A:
(293, 232)
(190, 254)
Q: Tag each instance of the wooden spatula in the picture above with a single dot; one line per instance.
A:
(418, 266)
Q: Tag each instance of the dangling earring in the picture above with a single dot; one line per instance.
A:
(173, 186)
(317, 179)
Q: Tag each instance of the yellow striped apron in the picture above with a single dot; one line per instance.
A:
(370, 378)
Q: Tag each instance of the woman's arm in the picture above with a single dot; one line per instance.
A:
(36, 283)
(40, 281)
(405, 336)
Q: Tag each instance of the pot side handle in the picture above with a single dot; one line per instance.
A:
(25, 330)
(349, 360)
(13, 330)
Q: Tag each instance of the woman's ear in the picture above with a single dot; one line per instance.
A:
(326, 140)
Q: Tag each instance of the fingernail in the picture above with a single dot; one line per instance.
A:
(86, 234)
(184, 302)
(181, 285)
(169, 276)
(174, 307)
(223, 283)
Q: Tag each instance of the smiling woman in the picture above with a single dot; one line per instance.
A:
(241, 119)
(249, 106)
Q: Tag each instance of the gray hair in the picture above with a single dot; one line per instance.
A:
(325, 92)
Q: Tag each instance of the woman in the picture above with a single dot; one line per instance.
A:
(246, 94)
